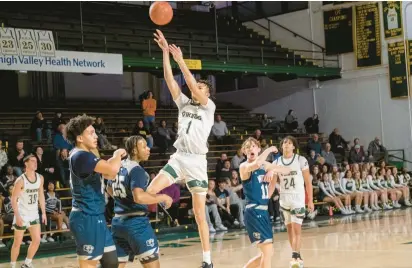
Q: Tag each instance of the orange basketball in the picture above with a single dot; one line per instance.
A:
(161, 13)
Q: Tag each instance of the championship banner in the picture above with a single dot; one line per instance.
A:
(34, 50)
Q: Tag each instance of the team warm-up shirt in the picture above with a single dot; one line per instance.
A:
(86, 185)
(293, 183)
(256, 191)
(130, 176)
(195, 122)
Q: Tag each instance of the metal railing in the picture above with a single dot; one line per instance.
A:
(223, 51)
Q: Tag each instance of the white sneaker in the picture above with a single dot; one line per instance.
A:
(28, 242)
(2, 245)
(236, 223)
(397, 205)
(376, 208)
(367, 209)
(359, 210)
(50, 239)
(42, 240)
(211, 229)
(221, 228)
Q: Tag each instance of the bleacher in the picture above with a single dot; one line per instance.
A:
(120, 28)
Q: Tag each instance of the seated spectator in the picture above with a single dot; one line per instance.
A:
(59, 142)
(54, 207)
(39, 127)
(140, 130)
(312, 124)
(315, 145)
(225, 172)
(3, 157)
(149, 106)
(16, 158)
(269, 124)
(237, 206)
(165, 136)
(211, 207)
(174, 192)
(57, 121)
(258, 135)
(376, 150)
(236, 186)
(223, 200)
(220, 131)
(220, 163)
(237, 159)
(62, 165)
(9, 178)
(291, 122)
(329, 156)
(44, 166)
(356, 155)
(338, 144)
(100, 129)
(8, 216)
(312, 160)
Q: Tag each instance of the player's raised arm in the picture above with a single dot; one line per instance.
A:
(247, 167)
(167, 68)
(111, 167)
(191, 82)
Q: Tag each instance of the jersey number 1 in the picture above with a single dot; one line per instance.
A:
(188, 127)
(265, 191)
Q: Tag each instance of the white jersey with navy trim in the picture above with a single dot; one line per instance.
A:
(292, 183)
(194, 125)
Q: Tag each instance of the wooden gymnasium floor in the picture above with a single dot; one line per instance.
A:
(380, 239)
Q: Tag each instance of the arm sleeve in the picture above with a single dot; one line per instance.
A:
(344, 181)
(84, 163)
(303, 163)
(333, 190)
(138, 178)
(181, 100)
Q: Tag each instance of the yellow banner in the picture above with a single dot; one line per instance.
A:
(194, 64)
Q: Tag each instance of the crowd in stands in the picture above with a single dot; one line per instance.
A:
(339, 178)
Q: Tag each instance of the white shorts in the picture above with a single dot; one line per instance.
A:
(192, 168)
(293, 207)
(28, 220)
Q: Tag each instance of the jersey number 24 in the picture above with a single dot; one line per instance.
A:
(289, 182)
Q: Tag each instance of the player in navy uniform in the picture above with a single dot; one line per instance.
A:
(258, 192)
(131, 227)
(87, 222)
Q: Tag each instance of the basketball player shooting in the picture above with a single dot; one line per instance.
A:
(196, 118)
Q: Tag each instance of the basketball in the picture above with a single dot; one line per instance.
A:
(161, 13)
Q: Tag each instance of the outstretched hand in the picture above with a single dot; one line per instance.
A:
(161, 40)
(176, 52)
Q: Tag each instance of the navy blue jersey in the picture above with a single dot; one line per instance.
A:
(130, 176)
(86, 185)
(256, 191)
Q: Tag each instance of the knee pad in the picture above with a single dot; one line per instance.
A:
(109, 260)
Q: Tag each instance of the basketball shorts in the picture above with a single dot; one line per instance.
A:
(28, 220)
(192, 168)
(293, 207)
(91, 235)
(134, 236)
(258, 225)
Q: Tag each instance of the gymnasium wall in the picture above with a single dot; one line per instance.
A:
(359, 103)
(105, 86)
